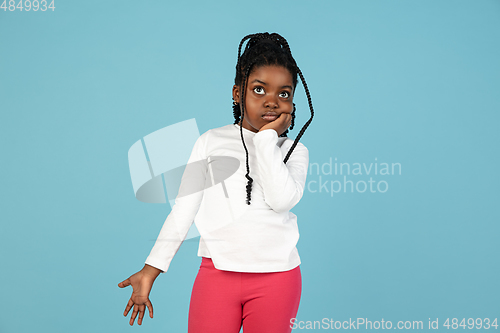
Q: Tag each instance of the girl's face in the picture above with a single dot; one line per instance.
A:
(269, 93)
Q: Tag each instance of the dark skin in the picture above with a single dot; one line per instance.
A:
(269, 89)
(141, 283)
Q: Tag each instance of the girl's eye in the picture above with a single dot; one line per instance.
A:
(258, 90)
(284, 94)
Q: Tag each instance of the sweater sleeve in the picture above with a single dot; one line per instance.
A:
(184, 210)
(283, 184)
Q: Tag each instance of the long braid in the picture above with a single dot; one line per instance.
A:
(247, 73)
(266, 55)
(309, 101)
(247, 176)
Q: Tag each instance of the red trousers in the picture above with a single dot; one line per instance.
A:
(223, 301)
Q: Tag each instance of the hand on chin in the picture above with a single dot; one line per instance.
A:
(280, 124)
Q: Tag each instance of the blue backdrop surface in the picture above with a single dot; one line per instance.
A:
(406, 101)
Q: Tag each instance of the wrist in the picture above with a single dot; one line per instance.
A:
(151, 271)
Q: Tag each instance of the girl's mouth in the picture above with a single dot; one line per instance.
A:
(270, 117)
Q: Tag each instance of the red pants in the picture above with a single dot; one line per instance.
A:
(223, 301)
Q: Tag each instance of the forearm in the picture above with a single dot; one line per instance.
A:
(283, 184)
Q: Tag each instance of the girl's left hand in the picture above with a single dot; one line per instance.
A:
(141, 283)
(279, 124)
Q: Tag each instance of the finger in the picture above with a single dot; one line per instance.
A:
(128, 307)
(124, 283)
(134, 314)
(283, 117)
(141, 314)
(288, 120)
(150, 308)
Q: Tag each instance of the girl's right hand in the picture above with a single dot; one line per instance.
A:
(141, 284)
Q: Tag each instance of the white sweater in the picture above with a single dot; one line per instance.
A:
(260, 237)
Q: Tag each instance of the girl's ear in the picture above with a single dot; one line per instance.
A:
(236, 94)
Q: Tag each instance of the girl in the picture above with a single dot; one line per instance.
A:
(249, 274)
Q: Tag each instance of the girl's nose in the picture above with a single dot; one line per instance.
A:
(271, 102)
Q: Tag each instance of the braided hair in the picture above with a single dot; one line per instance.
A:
(264, 49)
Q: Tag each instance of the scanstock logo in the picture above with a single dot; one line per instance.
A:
(160, 171)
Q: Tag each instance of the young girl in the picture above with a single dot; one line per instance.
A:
(249, 274)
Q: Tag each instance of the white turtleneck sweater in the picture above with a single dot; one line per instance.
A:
(260, 237)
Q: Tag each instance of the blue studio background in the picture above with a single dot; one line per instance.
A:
(413, 84)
